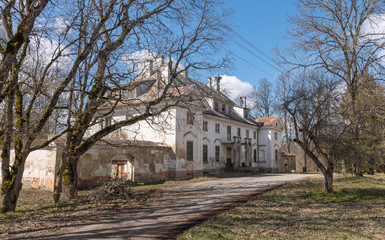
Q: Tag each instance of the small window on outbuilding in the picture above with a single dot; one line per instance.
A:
(276, 136)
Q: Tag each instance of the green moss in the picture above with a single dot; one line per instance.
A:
(16, 42)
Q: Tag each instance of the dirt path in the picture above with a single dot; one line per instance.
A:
(179, 208)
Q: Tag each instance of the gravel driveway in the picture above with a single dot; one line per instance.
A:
(179, 208)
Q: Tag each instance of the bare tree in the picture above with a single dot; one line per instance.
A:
(93, 37)
(264, 102)
(342, 38)
(319, 127)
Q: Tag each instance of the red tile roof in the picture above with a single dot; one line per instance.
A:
(267, 121)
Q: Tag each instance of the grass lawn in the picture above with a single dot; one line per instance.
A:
(301, 210)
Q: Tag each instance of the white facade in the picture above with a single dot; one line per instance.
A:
(209, 135)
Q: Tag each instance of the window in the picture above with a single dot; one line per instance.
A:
(276, 136)
(223, 108)
(247, 133)
(255, 155)
(245, 114)
(217, 153)
(205, 154)
(190, 118)
(190, 149)
(205, 126)
(276, 155)
(255, 135)
(216, 106)
(217, 128)
(228, 132)
(107, 121)
(238, 132)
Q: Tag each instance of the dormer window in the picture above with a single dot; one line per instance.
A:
(246, 114)
(216, 106)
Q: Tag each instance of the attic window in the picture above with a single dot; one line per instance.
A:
(223, 108)
(216, 106)
(246, 114)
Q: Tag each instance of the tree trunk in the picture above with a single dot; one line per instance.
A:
(328, 175)
(11, 187)
(343, 167)
(59, 178)
(70, 177)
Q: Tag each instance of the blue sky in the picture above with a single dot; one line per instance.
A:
(263, 23)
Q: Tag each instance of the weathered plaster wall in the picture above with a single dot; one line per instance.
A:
(141, 163)
(39, 169)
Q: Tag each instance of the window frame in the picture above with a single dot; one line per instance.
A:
(217, 153)
(217, 128)
(189, 151)
(190, 118)
(228, 132)
(205, 151)
(205, 126)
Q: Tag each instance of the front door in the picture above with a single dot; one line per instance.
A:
(120, 169)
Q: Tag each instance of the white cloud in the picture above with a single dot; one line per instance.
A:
(374, 29)
(235, 87)
(44, 50)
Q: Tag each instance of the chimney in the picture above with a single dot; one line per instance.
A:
(209, 82)
(217, 83)
(151, 67)
(243, 101)
(184, 72)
